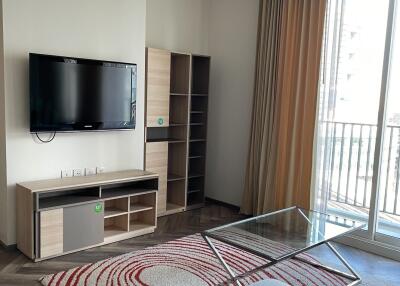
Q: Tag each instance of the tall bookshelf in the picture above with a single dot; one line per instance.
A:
(176, 127)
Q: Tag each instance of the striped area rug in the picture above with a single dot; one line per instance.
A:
(189, 261)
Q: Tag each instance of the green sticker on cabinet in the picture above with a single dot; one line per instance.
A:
(98, 208)
(160, 121)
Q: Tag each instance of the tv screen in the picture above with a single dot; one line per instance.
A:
(72, 94)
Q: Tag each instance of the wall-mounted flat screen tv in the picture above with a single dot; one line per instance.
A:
(73, 94)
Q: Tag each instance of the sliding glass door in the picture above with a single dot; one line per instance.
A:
(388, 219)
(357, 150)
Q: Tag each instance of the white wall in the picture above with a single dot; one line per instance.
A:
(232, 47)
(178, 25)
(100, 29)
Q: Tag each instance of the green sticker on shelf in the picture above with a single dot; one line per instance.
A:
(98, 208)
(160, 121)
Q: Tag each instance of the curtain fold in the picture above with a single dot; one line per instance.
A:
(279, 166)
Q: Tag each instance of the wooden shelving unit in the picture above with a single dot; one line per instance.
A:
(176, 149)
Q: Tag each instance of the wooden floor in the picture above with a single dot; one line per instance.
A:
(16, 269)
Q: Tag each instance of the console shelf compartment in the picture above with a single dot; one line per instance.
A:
(142, 220)
(115, 207)
(128, 189)
(51, 199)
(142, 202)
(115, 226)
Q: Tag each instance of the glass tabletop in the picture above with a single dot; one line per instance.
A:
(284, 233)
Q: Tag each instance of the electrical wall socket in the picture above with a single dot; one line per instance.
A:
(99, 170)
(90, 171)
(66, 173)
(77, 172)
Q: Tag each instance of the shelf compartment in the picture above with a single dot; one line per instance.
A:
(174, 208)
(115, 207)
(199, 104)
(198, 132)
(174, 177)
(176, 195)
(195, 185)
(175, 124)
(199, 94)
(200, 74)
(177, 162)
(197, 166)
(197, 148)
(180, 73)
(47, 200)
(192, 191)
(178, 110)
(169, 140)
(196, 157)
(197, 118)
(195, 198)
(128, 189)
(115, 225)
(143, 202)
(176, 133)
(138, 207)
(195, 175)
(142, 220)
(140, 226)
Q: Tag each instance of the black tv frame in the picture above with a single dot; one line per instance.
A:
(88, 126)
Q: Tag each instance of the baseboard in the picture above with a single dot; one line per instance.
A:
(233, 207)
(373, 247)
(8, 247)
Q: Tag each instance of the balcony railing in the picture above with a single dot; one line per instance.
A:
(347, 168)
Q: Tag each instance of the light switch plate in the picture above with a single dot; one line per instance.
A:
(90, 171)
(66, 173)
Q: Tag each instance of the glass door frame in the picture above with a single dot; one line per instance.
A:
(371, 234)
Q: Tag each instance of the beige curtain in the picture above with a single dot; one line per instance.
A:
(279, 165)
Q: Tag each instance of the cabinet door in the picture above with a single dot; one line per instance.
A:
(158, 66)
(83, 226)
(51, 232)
(157, 162)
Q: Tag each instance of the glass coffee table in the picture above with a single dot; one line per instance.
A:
(291, 231)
